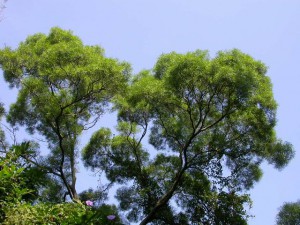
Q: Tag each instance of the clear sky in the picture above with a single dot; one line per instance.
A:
(138, 31)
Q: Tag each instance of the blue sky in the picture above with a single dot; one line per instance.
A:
(138, 31)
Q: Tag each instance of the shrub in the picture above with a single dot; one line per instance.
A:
(62, 214)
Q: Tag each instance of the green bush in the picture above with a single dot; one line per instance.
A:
(60, 214)
(12, 187)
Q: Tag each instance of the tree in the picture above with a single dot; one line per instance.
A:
(211, 122)
(64, 87)
(289, 214)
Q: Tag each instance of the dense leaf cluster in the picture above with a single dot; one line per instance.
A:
(289, 214)
(63, 214)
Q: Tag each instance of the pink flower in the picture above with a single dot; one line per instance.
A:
(89, 203)
(111, 217)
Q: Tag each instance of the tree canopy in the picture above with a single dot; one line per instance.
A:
(289, 214)
(64, 87)
(209, 123)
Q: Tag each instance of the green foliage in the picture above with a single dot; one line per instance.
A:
(289, 214)
(96, 196)
(32, 177)
(66, 213)
(2, 111)
(13, 179)
(15, 197)
(230, 209)
(212, 121)
(52, 191)
(120, 150)
(64, 88)
(10, 181)
(3, 144)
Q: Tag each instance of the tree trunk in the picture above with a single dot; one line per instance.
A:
(164, 199)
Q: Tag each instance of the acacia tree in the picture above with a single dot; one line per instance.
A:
(211, 124)
(64, 87)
